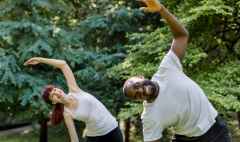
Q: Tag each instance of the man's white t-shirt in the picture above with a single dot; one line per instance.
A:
(181, 103)
(99, 121)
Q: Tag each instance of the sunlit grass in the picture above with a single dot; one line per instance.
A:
(54, 135)
(20, 138)
(31, 137)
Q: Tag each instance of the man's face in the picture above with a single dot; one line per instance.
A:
(139, 88)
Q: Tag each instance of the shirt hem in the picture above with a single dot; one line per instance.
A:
(101, 134)
(152, 139)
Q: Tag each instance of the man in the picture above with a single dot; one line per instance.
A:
(171, 98)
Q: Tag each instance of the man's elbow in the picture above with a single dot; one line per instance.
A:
(182, 37)
(184, 34)
(62, 64)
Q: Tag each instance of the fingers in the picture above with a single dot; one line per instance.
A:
(145, 9)
(27, 62)
(151, 6)
(32, 61)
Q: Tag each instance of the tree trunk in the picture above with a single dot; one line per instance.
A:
(43, 130)
(127, 130)
(238, 117)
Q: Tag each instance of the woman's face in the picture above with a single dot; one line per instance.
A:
(56, 96)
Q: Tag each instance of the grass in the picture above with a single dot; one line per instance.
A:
(19, 138)
(55, 134)
(59, 134)
(32, 137)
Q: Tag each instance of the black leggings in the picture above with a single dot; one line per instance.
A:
(113, 136)
(217, 133)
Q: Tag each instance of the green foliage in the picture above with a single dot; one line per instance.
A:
(130, 110)
(211, 59)
(144, 54)
(105, 42)
(222, 85)
(48, 28)
(209, 8)
(109, 30)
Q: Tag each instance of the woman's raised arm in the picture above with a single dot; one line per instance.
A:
(60, 64)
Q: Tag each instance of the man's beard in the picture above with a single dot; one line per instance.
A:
(151, 90)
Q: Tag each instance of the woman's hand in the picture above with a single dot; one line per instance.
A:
(33, 61)
(54, 62)
(151, 6)
(60, 64)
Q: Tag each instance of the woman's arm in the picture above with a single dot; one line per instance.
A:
(70, 126)
(60, 64)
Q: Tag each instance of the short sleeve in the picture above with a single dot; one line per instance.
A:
(151, 130)
(171, 61)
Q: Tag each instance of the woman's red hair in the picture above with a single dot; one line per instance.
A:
(57, 114)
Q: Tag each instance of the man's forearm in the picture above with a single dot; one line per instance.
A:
(177, 29)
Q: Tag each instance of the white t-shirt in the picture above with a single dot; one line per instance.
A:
(99, 121)
(181, 104)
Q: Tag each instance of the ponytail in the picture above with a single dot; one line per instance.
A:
(57, 114)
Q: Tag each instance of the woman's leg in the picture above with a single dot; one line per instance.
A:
(181, 138)
(92, 139)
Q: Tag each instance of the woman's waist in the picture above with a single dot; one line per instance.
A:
(100, 128)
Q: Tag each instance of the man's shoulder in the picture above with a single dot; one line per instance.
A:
(171, 61)
(148, 110)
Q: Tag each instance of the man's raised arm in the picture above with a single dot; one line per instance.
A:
(180, 34)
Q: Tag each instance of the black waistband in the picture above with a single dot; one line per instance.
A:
(214, 127)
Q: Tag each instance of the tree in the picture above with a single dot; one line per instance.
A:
(105, 42)
(55, 29)
(212, 56)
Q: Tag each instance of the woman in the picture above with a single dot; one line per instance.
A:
(101, 126)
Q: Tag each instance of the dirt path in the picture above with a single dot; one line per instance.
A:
(24, 129)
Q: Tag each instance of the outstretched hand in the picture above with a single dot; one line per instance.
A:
(151, 6)
(33, 61)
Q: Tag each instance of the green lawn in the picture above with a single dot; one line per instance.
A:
(32, 137)
(55, 134)
(59, 134)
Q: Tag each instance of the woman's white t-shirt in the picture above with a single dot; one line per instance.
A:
(181, 103)
(99, 121)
